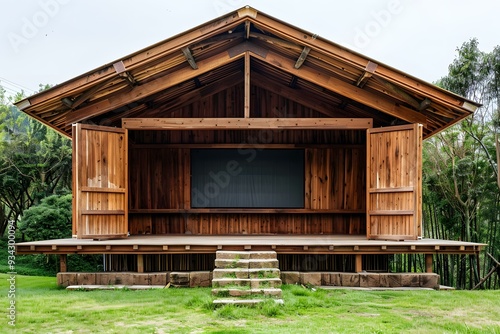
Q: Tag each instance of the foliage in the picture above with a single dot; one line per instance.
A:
(51, 219)
(461, 196)
(35, 162)
(191, 311)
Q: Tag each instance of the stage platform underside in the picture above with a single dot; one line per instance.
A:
(282, 244)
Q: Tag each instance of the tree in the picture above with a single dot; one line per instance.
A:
(35, 162)
(461, 196)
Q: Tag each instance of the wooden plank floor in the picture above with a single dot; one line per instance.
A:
(285, 244)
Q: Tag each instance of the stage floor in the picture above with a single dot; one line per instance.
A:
(282, 244)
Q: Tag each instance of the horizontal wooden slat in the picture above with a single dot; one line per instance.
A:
(393, 128)
(246, 123)
(244, 146)
(103, 212)
(102, 190)
(392, 190)
(238, 210)
(105, 236)
(391, 212)
(393, 237)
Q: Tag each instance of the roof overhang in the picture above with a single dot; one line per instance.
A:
(214, 56)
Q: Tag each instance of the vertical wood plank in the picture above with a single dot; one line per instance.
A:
(246, 106)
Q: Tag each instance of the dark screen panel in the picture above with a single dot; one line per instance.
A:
(247, 178)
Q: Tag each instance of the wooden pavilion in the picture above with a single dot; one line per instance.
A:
(247, 133)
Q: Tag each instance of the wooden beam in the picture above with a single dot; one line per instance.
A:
(247, 29)
(246, 123)
(343, 88)
(154, 86)
(63, 263)
(302, 57)
(129, 78)
(358, 263)
(189, 57)
(140, 263)
(89, 93)
(426, 103)
(277, 41)
(246, 105)
(299, 96)
(428, 263)
(367, 74)
(142, 57)
(197, 94)
(339, 53)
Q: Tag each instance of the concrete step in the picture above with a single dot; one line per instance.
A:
(246, 273)
(252, 264)
(251, 283)
(272, 292)
(244, 302)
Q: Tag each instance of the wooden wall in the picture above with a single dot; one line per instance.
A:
(159, 174)
(334, 197)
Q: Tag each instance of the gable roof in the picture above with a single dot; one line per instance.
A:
(210, 58)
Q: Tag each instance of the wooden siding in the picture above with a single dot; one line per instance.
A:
(159, 178)
(394, 177)
(335, 179)
(334, 200)
(100, 182)
(247, 223)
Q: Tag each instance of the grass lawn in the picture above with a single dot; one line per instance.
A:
(41, 307)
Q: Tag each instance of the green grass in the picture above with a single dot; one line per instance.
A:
(42, 307)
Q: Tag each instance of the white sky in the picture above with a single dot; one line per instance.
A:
(51, 41)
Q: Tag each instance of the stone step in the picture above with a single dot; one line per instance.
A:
(246, 273)
(246, 255)
(113, 287)
(232, 255)
(231, 273)
(244, 302)
(252, 264)
(264, 273)
(252, 283)
(272, 292)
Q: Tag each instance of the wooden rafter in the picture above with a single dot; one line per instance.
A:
(246, 123)
(400, 93)
(189, 57)
(152, 87)
(277, 41)
(88, 94)
(137, 59)
(303, 98)
(219, 38)
(339, 53)
(343, 88)
(200, 93)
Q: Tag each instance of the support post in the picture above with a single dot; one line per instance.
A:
(358, 263)
(63, 263)
(140, 263)
(428, 263)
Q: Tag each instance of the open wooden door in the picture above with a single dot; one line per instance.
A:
(100, 196)
(394, 176)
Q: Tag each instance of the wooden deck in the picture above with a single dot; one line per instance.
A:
(282, 244)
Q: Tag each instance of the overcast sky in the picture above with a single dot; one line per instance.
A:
(51, 41)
